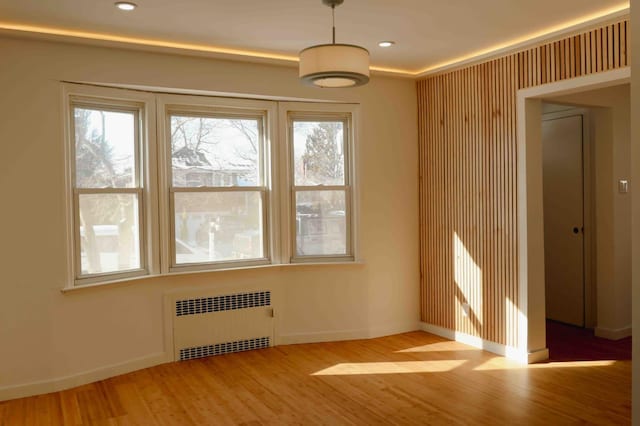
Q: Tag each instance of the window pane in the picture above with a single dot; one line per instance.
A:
(321, 223)
(218, 226)
(105, 148)
(318, 151)
(109, 233)
(209, 151)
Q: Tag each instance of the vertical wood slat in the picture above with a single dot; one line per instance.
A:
(610, 48)
(497, 195)
(624, 40)
(513, 288)
(422, 126)
(447, 219)
(602, 49)
(616, 45)
(468, 177)
(594, 51)
(488, 140)
(552, 55)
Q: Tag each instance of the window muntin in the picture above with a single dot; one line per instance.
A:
(218, 194)
(321, 192)
(108, 221)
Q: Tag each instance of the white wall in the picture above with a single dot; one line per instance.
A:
(635, 206)
(610, 138)
(46, 335)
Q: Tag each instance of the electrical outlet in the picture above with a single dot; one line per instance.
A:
(465, 309)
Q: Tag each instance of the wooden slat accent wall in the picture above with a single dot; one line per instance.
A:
(598, 50)
(467, 132)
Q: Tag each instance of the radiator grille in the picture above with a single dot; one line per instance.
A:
(227, 302)
(224, 348)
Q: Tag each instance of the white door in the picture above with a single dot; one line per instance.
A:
(563, 188)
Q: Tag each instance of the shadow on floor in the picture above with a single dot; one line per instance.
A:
(570, 343)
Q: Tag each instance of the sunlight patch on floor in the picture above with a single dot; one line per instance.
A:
(355, 368)
(502, 364)
(439, 347)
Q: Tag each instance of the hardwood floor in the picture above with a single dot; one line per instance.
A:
(411, 378)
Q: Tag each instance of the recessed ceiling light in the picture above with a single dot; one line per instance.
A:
(387, 43)
(125, 5)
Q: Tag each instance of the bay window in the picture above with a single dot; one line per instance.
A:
(161, 184)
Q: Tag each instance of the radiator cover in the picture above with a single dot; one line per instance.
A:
(220, 324)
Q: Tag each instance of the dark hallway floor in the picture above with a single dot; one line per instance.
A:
(570, 343)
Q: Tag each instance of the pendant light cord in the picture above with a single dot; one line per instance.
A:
(333, 15)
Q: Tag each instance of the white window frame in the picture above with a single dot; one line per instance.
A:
(347, 113)
(107, 99)
(219, 108)
(155, 185)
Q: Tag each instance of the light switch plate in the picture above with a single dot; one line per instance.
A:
(623, 186)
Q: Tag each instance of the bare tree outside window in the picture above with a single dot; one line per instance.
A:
(323, 157)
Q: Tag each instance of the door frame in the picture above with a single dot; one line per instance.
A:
(588, 207)
(531, 286)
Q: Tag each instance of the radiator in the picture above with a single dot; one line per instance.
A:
(221, 324)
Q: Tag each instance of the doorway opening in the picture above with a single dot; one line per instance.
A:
(570, 187)
(574, 218)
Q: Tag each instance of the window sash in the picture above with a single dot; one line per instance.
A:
(100, 105)
(142, 248)
(218, 264)
(222, 114)
(217, 189)
(203, 110)
(319, 117)
(301, 117)
(297, 258)
(107, 104)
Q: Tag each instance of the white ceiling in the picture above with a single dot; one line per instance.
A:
(427, 32)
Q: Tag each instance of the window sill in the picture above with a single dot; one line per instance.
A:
(130, 280)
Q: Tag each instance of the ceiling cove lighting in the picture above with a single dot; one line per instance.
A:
(334, 65)
(125, 5)
(582, 23)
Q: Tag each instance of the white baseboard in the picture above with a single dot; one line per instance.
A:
(613, 333)
(508, 352)
(388, 330)
(353, 334)
(322, 336)
(538, 356)
(66, 382)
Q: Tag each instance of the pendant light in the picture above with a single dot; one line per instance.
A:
(334, 65)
